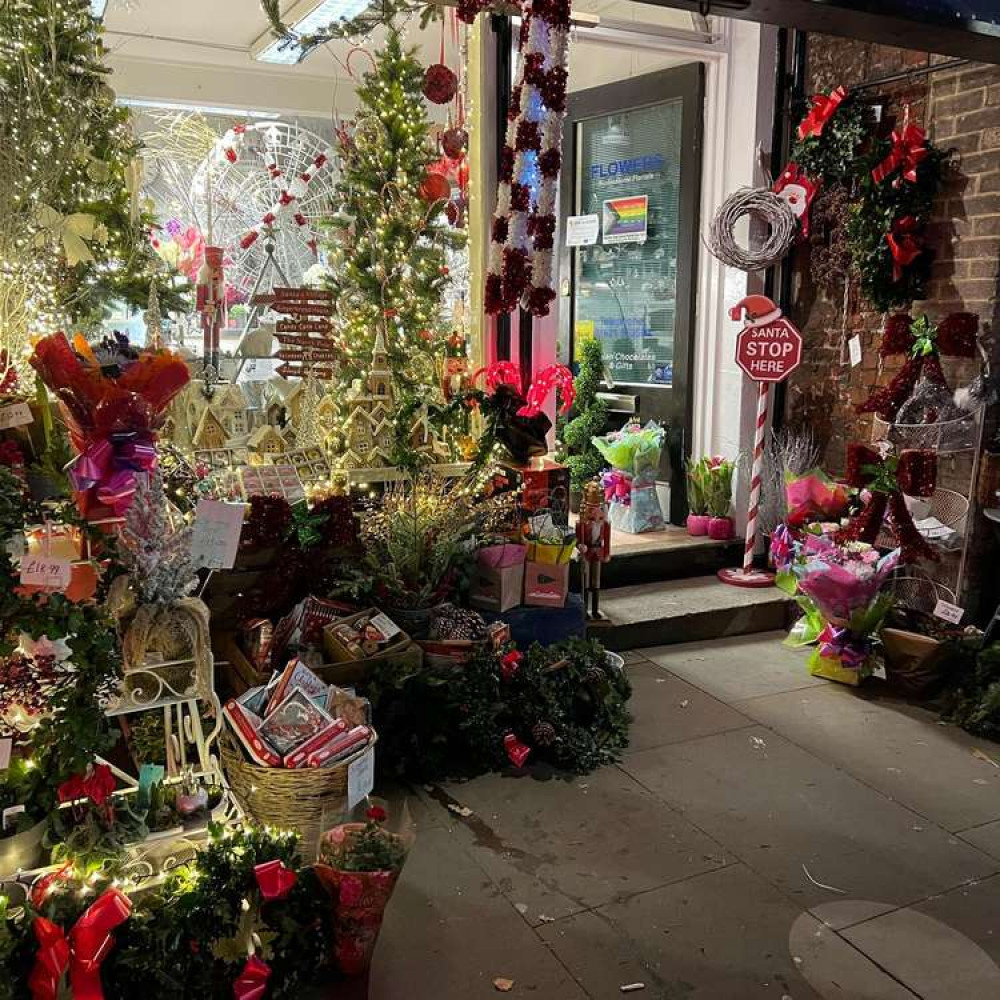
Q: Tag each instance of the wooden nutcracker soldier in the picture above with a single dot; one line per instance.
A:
(593, 540)
(211, 303)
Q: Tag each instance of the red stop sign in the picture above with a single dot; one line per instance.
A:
(771, 352)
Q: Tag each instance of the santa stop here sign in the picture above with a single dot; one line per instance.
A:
(769, 352)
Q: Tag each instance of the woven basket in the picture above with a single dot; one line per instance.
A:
(303, 799)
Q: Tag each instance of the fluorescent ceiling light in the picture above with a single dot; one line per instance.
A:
(304, 18)
(98, 7)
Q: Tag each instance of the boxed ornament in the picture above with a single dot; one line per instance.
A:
(546, 584)
(379, 639)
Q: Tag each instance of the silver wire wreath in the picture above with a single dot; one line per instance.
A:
(765, 205)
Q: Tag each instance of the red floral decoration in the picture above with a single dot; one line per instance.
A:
(440, 84)
(454, 142)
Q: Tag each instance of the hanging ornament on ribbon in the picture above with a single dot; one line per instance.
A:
(798, 190)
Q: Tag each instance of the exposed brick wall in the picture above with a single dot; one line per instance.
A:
(960, 108)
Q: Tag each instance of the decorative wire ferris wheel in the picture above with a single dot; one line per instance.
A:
(259, 195)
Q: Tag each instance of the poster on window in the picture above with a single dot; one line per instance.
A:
(626, 220)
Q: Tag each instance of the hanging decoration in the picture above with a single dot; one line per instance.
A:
(455, 141)
(440, 84)
(775, 210)
(924, 344)
(913, 472)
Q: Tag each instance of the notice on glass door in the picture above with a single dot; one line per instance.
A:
(626, 219)
(582, 230)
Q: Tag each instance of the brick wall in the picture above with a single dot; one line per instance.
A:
(960, 108)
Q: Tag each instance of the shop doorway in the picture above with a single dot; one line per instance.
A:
(630, 201)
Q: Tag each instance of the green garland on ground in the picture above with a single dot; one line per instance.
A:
(973, 698)
(437, 722)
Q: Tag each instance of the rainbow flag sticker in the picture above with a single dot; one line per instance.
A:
(626, 219)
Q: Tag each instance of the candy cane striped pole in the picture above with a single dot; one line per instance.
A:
(758, 463)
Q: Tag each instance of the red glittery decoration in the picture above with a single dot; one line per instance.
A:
(454, 142)
(440, 84)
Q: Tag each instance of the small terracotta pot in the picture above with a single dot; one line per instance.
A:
(720, 528)
(697, 524)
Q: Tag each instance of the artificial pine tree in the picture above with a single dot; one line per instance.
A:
(72, 235)
(591, 414)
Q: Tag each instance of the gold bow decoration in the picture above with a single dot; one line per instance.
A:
(74, 231)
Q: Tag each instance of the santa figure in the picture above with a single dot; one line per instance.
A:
(593, 541)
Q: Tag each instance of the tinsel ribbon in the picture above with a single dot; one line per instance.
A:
(517, 751)
(954, 336)
(82, 952)
(915, 473)
(545, 381)
(274, 880)
(851, 650)
(822, 111)
(909, 150)
(617, 486)
(904, 244)
(108, 466)
(251, 983)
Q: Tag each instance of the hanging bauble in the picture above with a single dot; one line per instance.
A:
(455, 210)
(454, 142)
(440, 84)
(434, 187)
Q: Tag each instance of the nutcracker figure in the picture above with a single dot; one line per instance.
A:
(211, 303)
(593, 540)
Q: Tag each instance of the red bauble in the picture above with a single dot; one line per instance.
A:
(454, 142)
(434, 188)
(440, 84)
(455, 210)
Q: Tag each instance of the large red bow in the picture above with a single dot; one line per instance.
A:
(909, 150)
(887, 479)
(274, 879)
(82, 952)
(954, 336)
(251, 984)
(904, 239)
(821, 112)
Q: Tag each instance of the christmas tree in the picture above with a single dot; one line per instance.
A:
(590, 416)
(72, 234)
(389, 237)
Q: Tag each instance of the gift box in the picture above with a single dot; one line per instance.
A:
(348, 671)
(497, 590)
(546, 585)
(362, 636)
(545, 486)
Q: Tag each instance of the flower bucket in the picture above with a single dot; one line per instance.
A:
(697, 524)
(503, 555)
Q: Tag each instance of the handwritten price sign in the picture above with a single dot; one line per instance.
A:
(46, 571)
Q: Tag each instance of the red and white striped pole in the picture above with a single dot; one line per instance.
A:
(755, 476)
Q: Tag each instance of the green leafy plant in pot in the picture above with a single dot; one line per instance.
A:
(698, 517)
(719, 496)
(590, 417)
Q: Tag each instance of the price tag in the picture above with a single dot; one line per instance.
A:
(46, 571)
(582, 230)
(948, 612)
(5, 748)
(854, 349)
(360, 778)
(15, 415)
(216, 533)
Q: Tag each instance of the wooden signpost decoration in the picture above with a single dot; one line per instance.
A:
(768, 349)
(306, 337)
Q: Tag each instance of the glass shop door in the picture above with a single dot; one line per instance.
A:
(629, 245)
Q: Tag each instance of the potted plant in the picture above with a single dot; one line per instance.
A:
(590, 415)
(697, 519)
(719, 496)
(359, 866)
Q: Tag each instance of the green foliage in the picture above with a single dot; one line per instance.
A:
(832, 155)
(370, 849)
(697, 484)
(436, 722)
(973, 701)
(590, 415)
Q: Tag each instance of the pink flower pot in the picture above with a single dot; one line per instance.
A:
(697, 524)
(720, 528)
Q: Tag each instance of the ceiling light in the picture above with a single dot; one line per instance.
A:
(98, 7)
(304, 18)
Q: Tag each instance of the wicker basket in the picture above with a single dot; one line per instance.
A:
(302, 799)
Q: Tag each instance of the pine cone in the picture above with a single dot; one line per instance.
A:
(593, 675)
(543, 733)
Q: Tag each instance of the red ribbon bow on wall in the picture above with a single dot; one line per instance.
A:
(887, 479)
(904, 239)
(822, 111)
(909, 150)
(954, 336)
(82, 951)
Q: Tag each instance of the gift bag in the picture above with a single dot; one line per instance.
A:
(546, 585)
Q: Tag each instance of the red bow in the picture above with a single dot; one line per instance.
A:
(517, 751)
(510, 664)
(88, 944)
(954, 336)
(904, 244)
(822, 111)
(914, 472)
(909, 150)
(274, 879)
(251, 984)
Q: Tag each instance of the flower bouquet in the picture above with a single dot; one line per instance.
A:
(359, 866)
(114, 397)
(845, 583)
(630, 485)
(813, 497)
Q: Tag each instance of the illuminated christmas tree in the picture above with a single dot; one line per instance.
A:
(73, 237)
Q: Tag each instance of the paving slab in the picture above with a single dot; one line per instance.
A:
(740, 667)
(779, 808)
(932, 958)
(720, 936)
(666, 709)
(985, 837)
(557, 847)
(449, 932)
(972, 910)
(899, 750)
